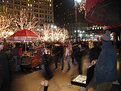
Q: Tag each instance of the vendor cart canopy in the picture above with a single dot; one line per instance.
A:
(24, 35)
(103, 12)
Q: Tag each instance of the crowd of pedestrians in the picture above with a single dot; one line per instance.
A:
(71, 53)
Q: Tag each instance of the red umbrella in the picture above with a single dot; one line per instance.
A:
(103, 12)
(24, 35)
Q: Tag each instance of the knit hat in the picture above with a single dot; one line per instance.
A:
(106, 36)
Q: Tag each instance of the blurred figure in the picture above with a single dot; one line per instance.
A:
(61, 55)
(73, 54)
(78, 56)
(4, 70)
(20, 50)
(58, 52)
(68, 51)
(16, 56)
(120, 50)
(46, 70)
(94, 52)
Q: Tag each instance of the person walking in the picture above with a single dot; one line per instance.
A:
(56, 52)
(61, 55)
(4, 70)
(68, 51)
(73, 53)
(46, 70)
(16, 57)
(78, 56)
(106, 65)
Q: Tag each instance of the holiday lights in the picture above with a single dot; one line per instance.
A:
(82, 5)
(54, 33)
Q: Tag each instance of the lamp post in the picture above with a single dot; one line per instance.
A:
(53, 27)
(75, 5)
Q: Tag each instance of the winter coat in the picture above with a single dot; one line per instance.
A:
(16, 51)
(47, 73)
(4, 72)
(56, 50)
(94, 53)
(106, 64)
(3, 63)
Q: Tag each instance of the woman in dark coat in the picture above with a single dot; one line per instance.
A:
(4, 70)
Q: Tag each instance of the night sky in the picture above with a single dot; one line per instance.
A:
(67, 3)
(62, 10)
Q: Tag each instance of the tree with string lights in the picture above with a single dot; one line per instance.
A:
(25, 20)
(82, 5)
(54, 34)
(5, 22)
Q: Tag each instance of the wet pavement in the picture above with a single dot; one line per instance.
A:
(31, 81)
(60, 82)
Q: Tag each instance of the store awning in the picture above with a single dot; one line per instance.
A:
(103, 12)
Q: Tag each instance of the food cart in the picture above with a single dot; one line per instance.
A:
(28, 61)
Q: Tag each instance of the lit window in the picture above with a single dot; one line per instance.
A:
(28, 4)
(56, 5)
(23, 3)
(28, 0)
(50, 5)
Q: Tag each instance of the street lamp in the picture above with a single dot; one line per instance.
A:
(53, 27)
(78, 1)
(75, 4)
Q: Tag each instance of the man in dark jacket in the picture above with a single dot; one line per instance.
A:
(106, 65)
(61, 55)
(4, 70)
(78, 56)
(72, 55)
(56, 54)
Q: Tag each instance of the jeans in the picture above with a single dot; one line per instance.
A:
(16, 63)
(57, 58)
(68, 59)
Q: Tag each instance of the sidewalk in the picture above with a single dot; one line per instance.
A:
(60, 81)
(31, 81)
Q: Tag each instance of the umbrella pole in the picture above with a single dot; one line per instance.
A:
(25, 46)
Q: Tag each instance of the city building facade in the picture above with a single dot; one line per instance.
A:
(42, 9)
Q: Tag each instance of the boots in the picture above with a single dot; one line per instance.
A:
(45, 88)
